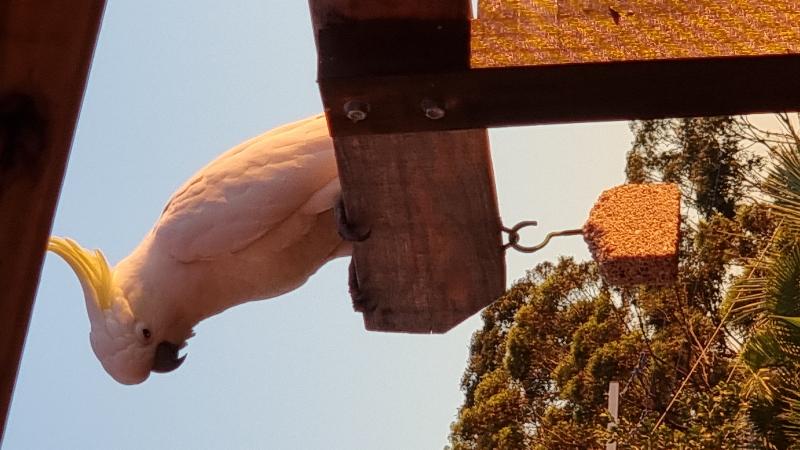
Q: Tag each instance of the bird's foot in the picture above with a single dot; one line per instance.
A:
(361, 302)
(346, 230)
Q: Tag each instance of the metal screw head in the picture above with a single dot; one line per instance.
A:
(356, 110)
(432, 109)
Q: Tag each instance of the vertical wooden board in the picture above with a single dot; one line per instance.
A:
(434, 256)
(45, 51)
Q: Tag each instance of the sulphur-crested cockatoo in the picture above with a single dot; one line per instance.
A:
(253, 224)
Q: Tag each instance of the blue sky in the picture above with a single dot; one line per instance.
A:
(174, 84)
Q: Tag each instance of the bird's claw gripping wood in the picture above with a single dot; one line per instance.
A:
(347, 231)
(361, 303)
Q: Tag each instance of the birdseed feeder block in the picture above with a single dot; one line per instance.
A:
(632, 232)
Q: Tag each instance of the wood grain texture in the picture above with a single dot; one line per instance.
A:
(434, 256)
(45, 51)
(514, 96)
(542, 61)
(545, 32)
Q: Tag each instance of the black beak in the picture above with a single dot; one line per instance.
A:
(166, 359)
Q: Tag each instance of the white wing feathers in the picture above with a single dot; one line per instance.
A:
(251, 189)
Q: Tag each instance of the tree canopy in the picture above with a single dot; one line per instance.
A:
(710, 362)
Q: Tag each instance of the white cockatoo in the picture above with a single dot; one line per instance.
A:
(255, 223)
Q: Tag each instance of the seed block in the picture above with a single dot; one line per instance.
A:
(633, 232)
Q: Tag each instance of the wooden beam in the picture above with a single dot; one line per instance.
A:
(363, 37)
(434, 256)
(45, 51)
(569, 61)
(513, 96)
(393, 46)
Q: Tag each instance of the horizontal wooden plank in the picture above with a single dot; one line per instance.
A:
(512, 96)
(538, 62)
(545, 32)
(45, 51)
(434, 256)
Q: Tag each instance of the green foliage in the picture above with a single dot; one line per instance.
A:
(702, 155)
(708, 424)
(550, 346)
(497, 418)
(488, 346)
(551, 304)
(765, 302)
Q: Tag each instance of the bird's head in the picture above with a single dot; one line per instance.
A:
(128, 347)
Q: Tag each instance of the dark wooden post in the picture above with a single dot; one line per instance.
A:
(45, 51)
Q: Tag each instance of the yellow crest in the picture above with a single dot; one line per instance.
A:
(91, 268)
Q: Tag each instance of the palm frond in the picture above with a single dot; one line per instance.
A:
(792, 320)
(783, 183)
(783, 288)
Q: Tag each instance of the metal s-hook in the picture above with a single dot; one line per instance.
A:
(513, 236)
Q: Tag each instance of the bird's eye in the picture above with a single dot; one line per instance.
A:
(143, 332)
